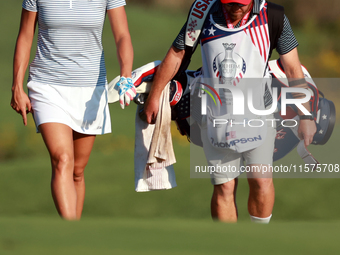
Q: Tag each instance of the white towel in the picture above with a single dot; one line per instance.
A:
(154, 154)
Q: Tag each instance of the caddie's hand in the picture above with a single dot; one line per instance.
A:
(127, 91)
(151, 110)
(21, 104)
(306, 131)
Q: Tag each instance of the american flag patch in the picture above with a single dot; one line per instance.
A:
(259, 33)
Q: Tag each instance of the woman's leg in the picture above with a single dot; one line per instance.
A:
(82, 149)
(59, 142)
(69, 152)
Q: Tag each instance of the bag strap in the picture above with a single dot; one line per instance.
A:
(198, 14)
(275, 24)
(196, 18)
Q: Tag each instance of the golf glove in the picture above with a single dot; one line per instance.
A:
(127, 91)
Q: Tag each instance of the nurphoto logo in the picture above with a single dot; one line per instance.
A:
(238, 101)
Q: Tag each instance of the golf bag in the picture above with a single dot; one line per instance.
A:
(322, 109)
(286, 137)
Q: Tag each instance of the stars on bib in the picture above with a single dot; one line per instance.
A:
(212, 31)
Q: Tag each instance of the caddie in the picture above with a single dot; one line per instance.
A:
(236, 39)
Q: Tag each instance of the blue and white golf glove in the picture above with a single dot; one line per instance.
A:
(127, 91)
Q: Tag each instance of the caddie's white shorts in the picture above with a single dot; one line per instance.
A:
(228, 164)
(84, 109)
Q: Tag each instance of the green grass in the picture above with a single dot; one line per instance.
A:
(20, 235)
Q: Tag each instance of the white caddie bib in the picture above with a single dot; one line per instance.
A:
(236, 58)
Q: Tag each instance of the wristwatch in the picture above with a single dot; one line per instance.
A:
(306, 117)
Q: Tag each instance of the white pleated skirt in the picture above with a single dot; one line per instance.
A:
(84, 109)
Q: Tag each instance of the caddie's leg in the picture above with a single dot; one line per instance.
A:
(59, 142)
(82, 148)
(259, 163)
(261, 197)
(223, 202)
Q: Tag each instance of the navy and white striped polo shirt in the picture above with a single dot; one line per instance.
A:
(69, 50)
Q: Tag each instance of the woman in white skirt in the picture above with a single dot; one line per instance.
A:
(67, 85)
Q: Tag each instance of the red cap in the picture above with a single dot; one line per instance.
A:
(245, 2)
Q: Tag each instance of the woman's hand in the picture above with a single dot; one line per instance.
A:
(21, 103)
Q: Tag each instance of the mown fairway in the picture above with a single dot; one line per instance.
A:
(164, 236)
